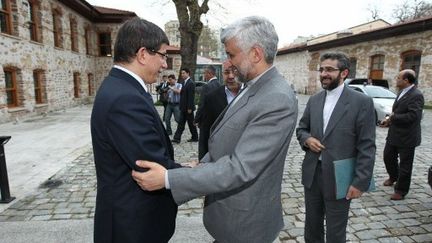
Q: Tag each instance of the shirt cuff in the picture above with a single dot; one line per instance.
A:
(167, 185)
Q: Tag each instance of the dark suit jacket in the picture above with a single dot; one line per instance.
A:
(214, 103)
(405, 129)
(126, 127)
(187, 96)
(206, 89)
(350, 133)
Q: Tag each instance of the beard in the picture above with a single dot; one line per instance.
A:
(333, 83)
(243, 71)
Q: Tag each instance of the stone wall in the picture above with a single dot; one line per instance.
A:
(58, 64)
(300, 67)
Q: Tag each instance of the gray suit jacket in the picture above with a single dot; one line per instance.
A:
(350, 133)
(242, 172)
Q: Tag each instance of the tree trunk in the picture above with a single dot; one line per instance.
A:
(189, 13)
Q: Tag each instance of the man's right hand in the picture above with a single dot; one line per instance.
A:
(314, 145)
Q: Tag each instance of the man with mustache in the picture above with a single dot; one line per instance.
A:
(338, 123)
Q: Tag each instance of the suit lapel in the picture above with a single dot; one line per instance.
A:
(242, 101)
(319, 112)
(339, 110)
(115, 72)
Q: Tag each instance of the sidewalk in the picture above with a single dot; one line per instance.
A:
(58, 147)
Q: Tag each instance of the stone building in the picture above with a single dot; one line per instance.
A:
(376, 53)
(53, 54)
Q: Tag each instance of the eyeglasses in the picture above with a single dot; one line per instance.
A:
(328, 69)
(231, 70)
(163, 55)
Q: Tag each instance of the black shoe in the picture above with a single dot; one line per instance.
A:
(192, 140)
(175, 141)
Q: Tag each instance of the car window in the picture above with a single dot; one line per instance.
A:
(378, 92)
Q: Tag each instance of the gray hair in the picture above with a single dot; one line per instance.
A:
(253, 30)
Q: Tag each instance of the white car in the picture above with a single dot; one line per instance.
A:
(383, 99)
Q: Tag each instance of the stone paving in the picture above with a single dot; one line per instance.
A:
(70, 194)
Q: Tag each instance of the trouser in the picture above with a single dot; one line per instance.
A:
(189, 118)
(171, 108)
(334, 211)
(399, 171)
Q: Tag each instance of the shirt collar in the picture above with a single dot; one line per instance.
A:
(140, 81)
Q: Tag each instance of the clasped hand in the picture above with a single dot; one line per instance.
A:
(151, 180)
(314, 144)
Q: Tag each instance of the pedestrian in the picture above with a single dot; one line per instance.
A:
(241, 175)
(404, 133)
(338, 123)
(187, 107)
(173, 102)
(162, 90)
(125, 126)
(214, 103)
(212, 84)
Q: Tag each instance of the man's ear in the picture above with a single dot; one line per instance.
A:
(257, 54)
(344, 73)
(141, 55)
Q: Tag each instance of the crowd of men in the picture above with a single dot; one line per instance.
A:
(245, 128)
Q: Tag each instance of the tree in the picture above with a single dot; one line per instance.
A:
(374, 11)
(208, 43)
(413, 9)
(190, 26)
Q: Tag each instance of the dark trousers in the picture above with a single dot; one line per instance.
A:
(334, 211)
(204, 135)
(182, 123)
(399, 171)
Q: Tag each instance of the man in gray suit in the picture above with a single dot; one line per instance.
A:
(241, 174)
(338, 123)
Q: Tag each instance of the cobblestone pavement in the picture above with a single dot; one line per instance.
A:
(70, 194)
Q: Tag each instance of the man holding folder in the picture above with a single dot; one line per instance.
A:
(337, 124)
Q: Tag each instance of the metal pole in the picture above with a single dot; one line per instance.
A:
(4, 181)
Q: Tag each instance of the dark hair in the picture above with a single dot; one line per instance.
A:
(410, 76)
(134, 34)
(211, 69)
(343, 60)
(171, 76)
(186, 70)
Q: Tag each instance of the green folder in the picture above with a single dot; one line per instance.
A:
(344, 175)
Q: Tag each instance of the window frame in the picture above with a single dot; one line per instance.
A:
(74, 34)
(76, 84)
(7, 13)
(90, 78)
(105, 45)
(57, 28)
(14, 89)
(411, 53)
(39, 87)
(377, 63)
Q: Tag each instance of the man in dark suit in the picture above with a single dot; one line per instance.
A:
(187, 107)
(125, 126)
(162, 90)
(213, 105)
(404, 133)
(338, 123)
(212, 84)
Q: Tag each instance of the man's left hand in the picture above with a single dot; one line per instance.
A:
(353, 193)
(151, 180)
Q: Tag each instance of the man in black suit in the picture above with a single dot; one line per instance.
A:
(214, 103)
(404, 134)
(212, 84)
(125, 126)
(187, 107)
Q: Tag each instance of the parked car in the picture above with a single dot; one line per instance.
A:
(383, 99)
(376, 82)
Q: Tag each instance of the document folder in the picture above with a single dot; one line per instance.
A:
(344, 175)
